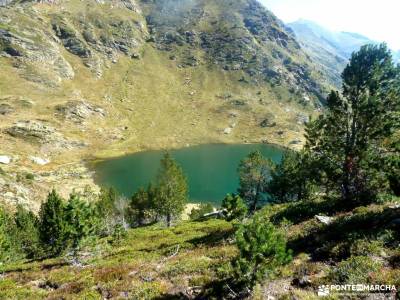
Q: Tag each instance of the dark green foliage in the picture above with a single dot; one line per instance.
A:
(27, 231)
(106, 211)
(354, 270)
(30, 176)
(262, 249)
(235, 208)
(171, 191)
(292, 178)
(392, 164)
(6, 240)
(106, 203)
(198, 213)
(140, 208)
(254, 176)
(52, 226)
(80, 220)
(118, 234)
(348, 140)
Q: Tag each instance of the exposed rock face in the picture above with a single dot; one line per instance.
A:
(40, 161)
(5, 2)
(79, 111)
(5, 109)
(256, 41)
(39, 132)
(37, 61)
(324, 219)
(267, 123)
(243, 36)
(95, 39)
(34, 131)
(69, 38)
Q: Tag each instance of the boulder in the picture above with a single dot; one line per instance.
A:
(39, 161)
(228, 130)
(5, 160)
(5, 2)
(395, 223)
(302, 119)
(33, 131)
(78, 111)
(41, 133)
(324, 219)
(295, 142)
(267, 123)
(6, 109)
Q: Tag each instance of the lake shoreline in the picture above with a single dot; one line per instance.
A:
(100, 158)
(211, 169)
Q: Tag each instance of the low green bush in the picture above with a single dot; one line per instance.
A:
(355, 270)
(262, 250)
(200, 211)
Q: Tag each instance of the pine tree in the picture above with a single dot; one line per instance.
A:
(106, 202)
(292, 179)
(171, 192)
(79, 218)
(254, 176)
(262, 249)
(52, 226)
(106, 211)
(348, 139)
(235, 208)
(140, 207)
(27, 225)
(392, 164)
(6, 242)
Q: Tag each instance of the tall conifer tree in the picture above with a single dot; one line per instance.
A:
(170, 196)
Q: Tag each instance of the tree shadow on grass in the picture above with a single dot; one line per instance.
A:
(173, 297)
(302, 211)
(344, 230)
(213, 238)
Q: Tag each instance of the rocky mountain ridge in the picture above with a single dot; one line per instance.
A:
(331, 49)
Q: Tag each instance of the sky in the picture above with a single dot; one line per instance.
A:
(377, 19)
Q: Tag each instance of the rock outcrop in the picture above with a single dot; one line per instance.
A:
(41, 133)
(79, 111)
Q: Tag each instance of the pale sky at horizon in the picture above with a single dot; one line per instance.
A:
(378, 20)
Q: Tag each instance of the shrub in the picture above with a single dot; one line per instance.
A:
(262, 249)
(355, 270)
(141, 208)
(30, 176)
(366, 247)
(235, 208)
(198, 213)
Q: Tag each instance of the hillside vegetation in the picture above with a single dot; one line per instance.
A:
(84, 79)
(327, 215)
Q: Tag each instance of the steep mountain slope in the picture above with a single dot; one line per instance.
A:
(331, 49)
(83, 79)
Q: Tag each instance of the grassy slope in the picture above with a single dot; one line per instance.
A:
(148, 263)
(189, 260)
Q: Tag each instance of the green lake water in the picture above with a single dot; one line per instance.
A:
(211, 169)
